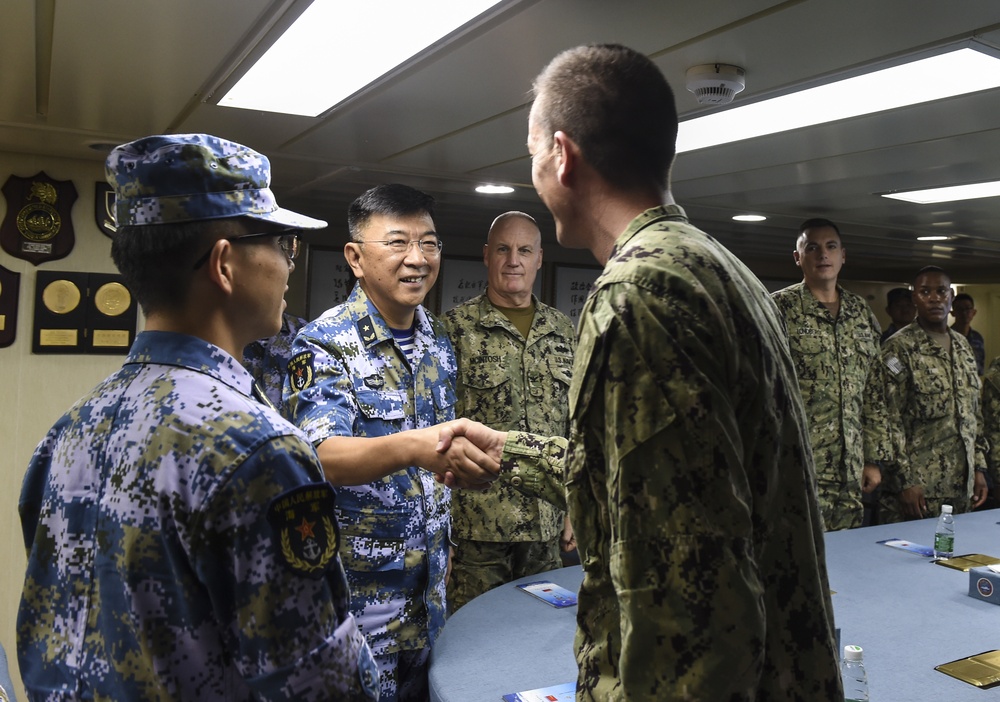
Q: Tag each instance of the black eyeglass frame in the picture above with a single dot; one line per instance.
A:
(436, 243)
(291, 250)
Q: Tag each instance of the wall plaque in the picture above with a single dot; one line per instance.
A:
(10, 286)
(104, 209)
(83, 313)
(38, 226)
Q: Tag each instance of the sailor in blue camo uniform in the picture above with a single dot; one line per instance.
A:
(267, 359)
(180, 537)
(368, 381)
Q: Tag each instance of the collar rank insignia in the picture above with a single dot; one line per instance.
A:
(300, 371)
(366, 329)
(305, 528)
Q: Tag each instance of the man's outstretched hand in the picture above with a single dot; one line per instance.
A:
(463, 442)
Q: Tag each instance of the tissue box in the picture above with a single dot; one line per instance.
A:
(984, 584)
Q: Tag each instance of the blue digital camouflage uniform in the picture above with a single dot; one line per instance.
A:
(689, 482)
(177, 547)
(267, 359)
(348, 377)
(835, 361)
(978, 345)
(507, 382)
(935, 420)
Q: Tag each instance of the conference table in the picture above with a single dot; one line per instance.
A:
(907, 613)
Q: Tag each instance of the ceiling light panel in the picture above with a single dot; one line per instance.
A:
(946, 75)
(334, 49)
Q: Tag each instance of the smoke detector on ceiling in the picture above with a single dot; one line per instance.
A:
(715, 83)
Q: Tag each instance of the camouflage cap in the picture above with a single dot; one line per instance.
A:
(190, 177)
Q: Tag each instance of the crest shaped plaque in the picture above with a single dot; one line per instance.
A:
(104, 209)
(38, 226)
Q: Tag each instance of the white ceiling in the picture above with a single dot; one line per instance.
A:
(73, 73)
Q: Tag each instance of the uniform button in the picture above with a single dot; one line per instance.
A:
(516, 481)
(368, 677)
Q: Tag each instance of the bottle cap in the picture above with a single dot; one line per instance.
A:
(945, 509)
(853, 653)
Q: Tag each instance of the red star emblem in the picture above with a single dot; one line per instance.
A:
(305, 529)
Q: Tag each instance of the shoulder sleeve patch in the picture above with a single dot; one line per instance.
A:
(300, 371)
(305, 528)
(894, 365)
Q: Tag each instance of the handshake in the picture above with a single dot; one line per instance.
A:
(466, 453)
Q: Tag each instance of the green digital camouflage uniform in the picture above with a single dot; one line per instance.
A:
(689, 482)
(991, 418)
(933, 400)
(844, 400)
(507, 382)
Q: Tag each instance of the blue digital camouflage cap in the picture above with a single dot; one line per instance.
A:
(190, 177)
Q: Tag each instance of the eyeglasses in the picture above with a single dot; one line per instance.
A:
(399, 245)
(287, 242)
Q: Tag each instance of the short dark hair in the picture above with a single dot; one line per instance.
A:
(816, 223)
(931, 269)
(964, 296)
(619, 109)
(897, 294)
(156, 260)
(393, 199)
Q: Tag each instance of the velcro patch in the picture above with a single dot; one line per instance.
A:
(307, 531)
(894, 365)
(300, 371)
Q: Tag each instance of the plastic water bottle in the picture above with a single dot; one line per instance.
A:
(944, 534)
(852, 673)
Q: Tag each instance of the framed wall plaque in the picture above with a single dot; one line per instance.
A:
(10, 287)
(462, 279)
(572, 286)
(83, 313)
(330, 280)
(38, 226)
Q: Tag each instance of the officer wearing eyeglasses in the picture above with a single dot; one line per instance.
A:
(368, 380)
(180, 533)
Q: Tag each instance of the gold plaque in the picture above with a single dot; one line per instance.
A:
(3, 322)
(112, 299)
(111, 337)
(61, 296)
(57, 337)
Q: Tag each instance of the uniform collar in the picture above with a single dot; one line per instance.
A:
(184, 351)
(673, 213)
(812, 305)
(543, 323)
(371, 325)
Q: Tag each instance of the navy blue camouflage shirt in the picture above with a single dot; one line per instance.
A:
(181, 545)
(349, 377)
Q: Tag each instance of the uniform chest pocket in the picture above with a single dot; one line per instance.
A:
(389, 405)
(806, 351)
(487, 395)
(445, 400)
(561, 368)
(931, 392)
